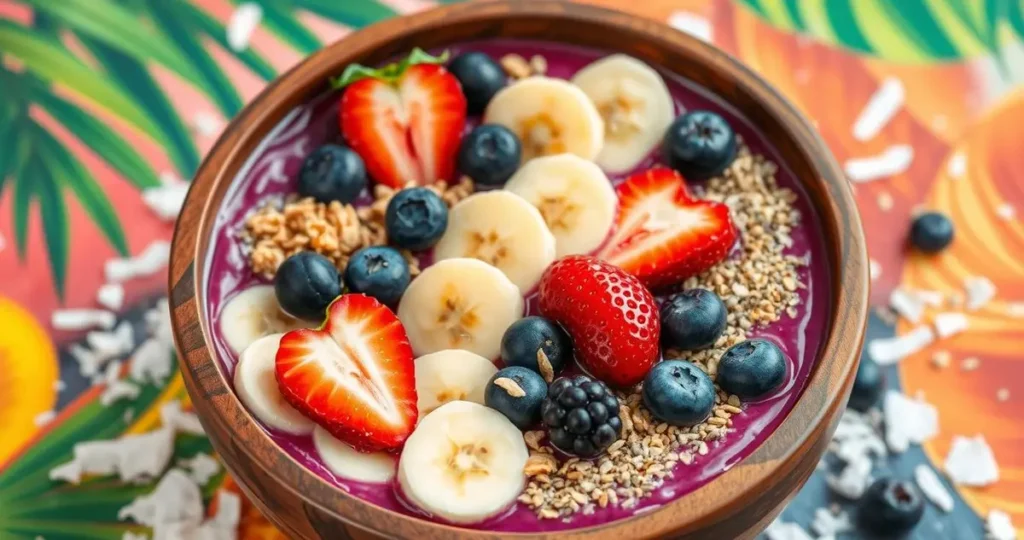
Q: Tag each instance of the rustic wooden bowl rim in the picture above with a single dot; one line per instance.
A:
(218, 405)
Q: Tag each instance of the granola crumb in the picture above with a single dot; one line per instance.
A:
(516, 66)
(942, 359)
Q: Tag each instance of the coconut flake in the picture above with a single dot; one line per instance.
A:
(152, 362)
(874, 269)
(58, 386)
(82, 319)
(150, 261)
(132, 457)
(202, 467)
(44, 418)
(856, 439)
(887, 351)
(166, 201)
(105, 346)
(908, 421)
(949, 324)
(158, 320)
(174, 417)
(118, 390)
(998, 526)
(691, 23)
(207, 124)
(930, 298)
(970, 462)
(894, 160)
(242, 24)
(786, 530)
(229, 509)
(88, 363)
(957, 165)
(907, 305)
(1006, 212)
(932, 488)
(880, 109)
(853, 480)
(111, 296)
(175, 500)
(979, 291)
(826, 523)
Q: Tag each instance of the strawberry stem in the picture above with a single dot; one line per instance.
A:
(389, 73)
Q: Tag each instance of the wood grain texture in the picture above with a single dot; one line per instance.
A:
(737, 504)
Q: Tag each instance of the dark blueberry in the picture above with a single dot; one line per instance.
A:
(490, 154)
(380, 272)
(523, 411)
(678, 393)
(931, 232)
(525, 339)
(305, 284)
(581, 415)
(699, 144)
(415, 218)
(752, 368)
(480, 76)
(867, 386)
(890, 508)
(332, 173)
(692, 320)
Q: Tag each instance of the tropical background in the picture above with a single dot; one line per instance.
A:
(101, 100)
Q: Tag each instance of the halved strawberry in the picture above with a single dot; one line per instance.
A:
(354, 375)
(664, 235)
(405, 120)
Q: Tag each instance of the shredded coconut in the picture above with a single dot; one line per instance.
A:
(908, 305)
(998, 526)
(932, 488)
(242, 24)
(894, 160)
(111, 296)
(957, 165)
(82, 319)
(826, 523)
(44, 418)
(172, 416)
(207, 124)
(887, 351)
(949, 324)
(853, 480)
(785, 530)
(971, 463)
(874, 269)
(151, 260)
(908, 421)
(152, 362)
(176, 499)
(1006, 211)
(880, 109)
(131, 457)
(202, 467)
(166, 201)
(980, 291)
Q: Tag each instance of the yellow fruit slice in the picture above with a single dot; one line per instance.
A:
(28, 363)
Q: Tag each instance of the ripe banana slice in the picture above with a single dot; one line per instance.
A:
(635, 105)
(347, 462)
(573, 196)
(464, 463)
(550, 116)
(451, 375)
(251, 314)
(459, 304)
(257, 389)
(503, 230)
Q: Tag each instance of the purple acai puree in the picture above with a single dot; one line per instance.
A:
(272, 169)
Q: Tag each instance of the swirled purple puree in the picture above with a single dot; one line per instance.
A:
(271, 171)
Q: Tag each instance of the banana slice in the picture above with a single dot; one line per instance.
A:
(574, 197)
(451, 375)
(635, 105)
(459, 304)
(251, 314)
(464, 463)
(550, 116)
(256, 387)
(347, 462)
(503, 230)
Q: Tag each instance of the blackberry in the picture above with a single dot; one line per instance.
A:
(581, 415)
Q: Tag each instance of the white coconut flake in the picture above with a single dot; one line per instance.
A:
(786, 530)
(111, 296)
(202, 467)
(118, 390)
(58, 386)
(207, 124)
(44, 418)
(107, 345)
(979, 291)
(691, 23)
(229, 509)
(82, 319)
(949, 324)
(970, 462)
(166, 201)
(880, 109)
(158, 320)
(151, 260)
(856, 439)
(932, 488)
(998, 526)
(152, 362)
(826, 523)
(174, 417)
(908, 421)
(853, 480)
(874, 269)
(894, 160)
(887, 351)
(242, 24)
(930, 298)
(907, 305)
(957, 165)
(175, 500)
(1006, 212)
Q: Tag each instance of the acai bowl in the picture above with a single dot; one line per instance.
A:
(651, 340)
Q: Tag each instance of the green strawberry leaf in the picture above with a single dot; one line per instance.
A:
(389, 73)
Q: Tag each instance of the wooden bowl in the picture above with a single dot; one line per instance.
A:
(738, 503)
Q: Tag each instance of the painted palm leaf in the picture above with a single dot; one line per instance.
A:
(903, 31)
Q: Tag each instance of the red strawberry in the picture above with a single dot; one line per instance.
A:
(611, 317)
(406, 123)
(354, 375)
(664, 235)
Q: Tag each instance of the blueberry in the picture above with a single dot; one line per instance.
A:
(752, 368)
(380, 272)
(699, 144)
(890, 508)
(527, 339)
(332, 173)
(931, 232)
(867, 386)
(678, 393)
(523, 411)
(415, 218)
(305, 284)
(480, 76)
(490, 154)
(581, 415)
(692, 320)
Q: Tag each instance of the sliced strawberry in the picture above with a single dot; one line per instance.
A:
(405, 120)
(664, 235)
(354, 375)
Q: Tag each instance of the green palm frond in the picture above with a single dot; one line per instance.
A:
(353, 14)
(279, 18)
(214, 30)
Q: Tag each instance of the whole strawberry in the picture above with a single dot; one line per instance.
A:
(612, 318)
